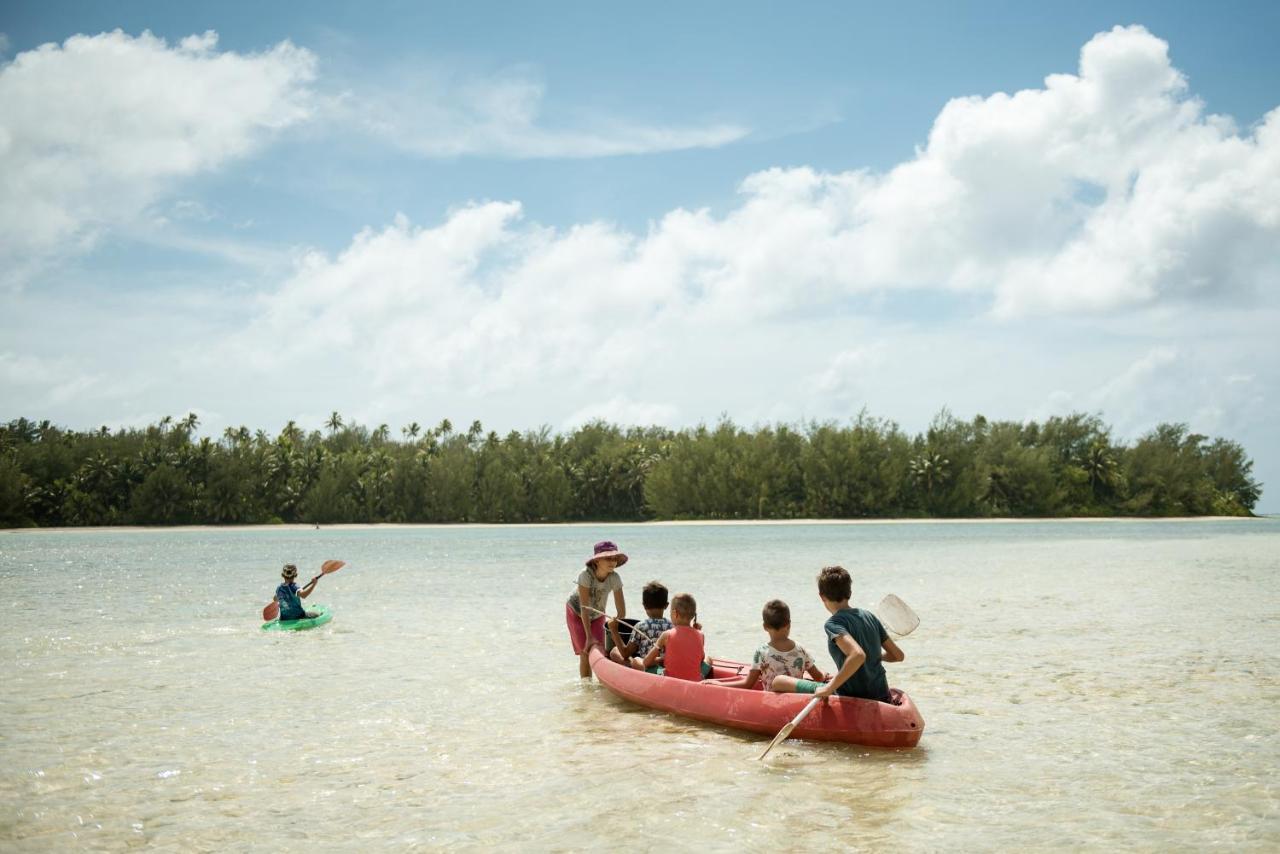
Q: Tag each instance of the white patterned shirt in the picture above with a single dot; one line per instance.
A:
(774, 662)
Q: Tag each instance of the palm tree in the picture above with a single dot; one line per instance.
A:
(334, 423)
(380, 435)
(411, 431)
(292, 432)
(445, 428)
(1101, 466)
(191, 422)
(929, 469)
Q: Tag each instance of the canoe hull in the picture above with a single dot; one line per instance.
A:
(324, 616)
(846, 719)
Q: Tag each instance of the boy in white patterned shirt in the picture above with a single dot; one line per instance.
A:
(645, 632)
(781, 656)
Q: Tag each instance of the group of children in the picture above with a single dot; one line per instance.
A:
(856, 640)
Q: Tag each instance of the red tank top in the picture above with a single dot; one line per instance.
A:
(684, 654)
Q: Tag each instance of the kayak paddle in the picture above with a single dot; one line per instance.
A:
(897, 616)
(272, 610)
(786, 730)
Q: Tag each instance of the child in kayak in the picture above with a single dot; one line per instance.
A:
(584, 611)
(645, 633)
(857, 643)
(681, 646)
(779, 663)
(289, 597)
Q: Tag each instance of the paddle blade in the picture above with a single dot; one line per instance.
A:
(331, 566)
(272, 611)
(897, 616)
(786, 730)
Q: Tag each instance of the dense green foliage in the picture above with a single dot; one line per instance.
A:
(165, 475)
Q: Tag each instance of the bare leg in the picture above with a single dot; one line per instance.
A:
(784, 684)
(584, 665)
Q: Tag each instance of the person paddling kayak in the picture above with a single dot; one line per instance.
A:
(289, 597)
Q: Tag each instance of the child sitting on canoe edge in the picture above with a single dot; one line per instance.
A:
(289, 597)
(590, 597)
(644, 633)
(682, 646)
(778, 657)
(857, 642)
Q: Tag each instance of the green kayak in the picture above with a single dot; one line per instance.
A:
(299, 625)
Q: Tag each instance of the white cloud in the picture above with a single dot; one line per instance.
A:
(843, 382)
(440, 115)
(1165, 384)
(621, 410)
(490, 303)
(96, 129)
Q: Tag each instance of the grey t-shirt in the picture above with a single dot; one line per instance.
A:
(598, 589)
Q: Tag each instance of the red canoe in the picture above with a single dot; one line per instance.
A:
(855, 721)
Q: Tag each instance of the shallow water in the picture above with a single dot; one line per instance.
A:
(1083, 684)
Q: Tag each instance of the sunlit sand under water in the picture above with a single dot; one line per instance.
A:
(1083, 685)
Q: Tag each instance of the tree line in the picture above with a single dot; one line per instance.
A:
(164, 474)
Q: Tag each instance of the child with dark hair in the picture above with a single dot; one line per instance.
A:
(289, 596)
(857, 643)
(644, 633)
(682, 645)
(780, 663)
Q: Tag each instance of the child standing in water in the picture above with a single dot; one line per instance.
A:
(289, 597)
(584, 611)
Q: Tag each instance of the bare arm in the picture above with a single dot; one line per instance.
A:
(584, 596)
(652, 658)
(855, 657)
(818, 675)
(620, 603)
(311, 585)
(892, 652)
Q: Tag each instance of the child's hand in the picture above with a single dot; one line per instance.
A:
(825, 691)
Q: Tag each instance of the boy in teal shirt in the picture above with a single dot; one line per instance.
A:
(857, 643)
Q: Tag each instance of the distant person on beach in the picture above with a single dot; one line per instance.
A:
(644, 633)
(682, 647)
(857, 643)
(289, 597)
(584, 611)
(779, 663)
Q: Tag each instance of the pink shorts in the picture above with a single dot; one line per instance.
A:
(577, 635)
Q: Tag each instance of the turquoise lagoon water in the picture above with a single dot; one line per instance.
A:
(1084, 684)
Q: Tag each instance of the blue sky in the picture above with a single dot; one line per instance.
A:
(539, 214)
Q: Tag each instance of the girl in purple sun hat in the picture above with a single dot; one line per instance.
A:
(586, 624)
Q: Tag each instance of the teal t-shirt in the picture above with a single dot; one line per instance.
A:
(869, 680)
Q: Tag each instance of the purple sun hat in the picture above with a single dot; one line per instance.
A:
(607, 548)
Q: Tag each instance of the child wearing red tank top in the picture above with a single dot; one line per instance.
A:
(682, 647)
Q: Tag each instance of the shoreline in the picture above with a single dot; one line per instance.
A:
(363, 526)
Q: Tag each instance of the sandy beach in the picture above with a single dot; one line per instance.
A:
(672, 523)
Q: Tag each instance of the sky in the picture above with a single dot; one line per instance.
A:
(542, 214)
